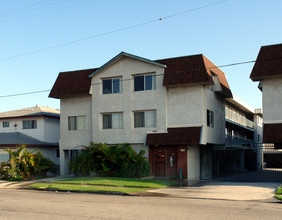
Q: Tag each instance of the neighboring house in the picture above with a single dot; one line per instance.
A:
(36, 127)
(268, 71)
(173, 108)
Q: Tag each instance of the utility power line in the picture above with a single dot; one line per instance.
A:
(45, 12)
(109, 32)
(190, 71)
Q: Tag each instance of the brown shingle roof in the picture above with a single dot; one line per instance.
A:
(194, 69)
(72, 83)
(272, 133)
(184, 135)
(268, 62)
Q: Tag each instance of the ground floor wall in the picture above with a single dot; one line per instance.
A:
(193, 163)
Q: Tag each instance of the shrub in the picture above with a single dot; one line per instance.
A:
(25, 164)
(116, 160)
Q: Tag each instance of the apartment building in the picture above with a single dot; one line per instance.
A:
(173, 108)
(268, 72)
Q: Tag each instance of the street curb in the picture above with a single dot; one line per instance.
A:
(77, 191)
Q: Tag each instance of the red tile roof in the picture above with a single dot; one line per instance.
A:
(72, 83)
(175, 136)
(196, 69)
(272, 133)
(268, 62)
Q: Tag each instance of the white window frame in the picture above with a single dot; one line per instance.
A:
(5, 124)
(145, 86)
(77, 123)
(116, 117)
(112, 85)
(29, 124)
(145, 117)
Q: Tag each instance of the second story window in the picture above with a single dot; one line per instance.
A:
(6, 124)
(30, 124)
(111, 86)
(76, 123)
(210, 118)
(145, 82)
(113, 121)
(146, 119)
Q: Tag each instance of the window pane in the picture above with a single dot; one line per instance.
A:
(80, 123)
(116, 86)
(150, 82)
(107, 121)
(210, 119)
(6, 124)
(72, 123)
(26, 124)
(107, 86)
(29, 124)
(117, 120)
(138, 83)
(34, 124)
(150, 119)
(139, 119)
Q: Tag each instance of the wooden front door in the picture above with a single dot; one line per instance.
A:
(165, 162)
(160, 163)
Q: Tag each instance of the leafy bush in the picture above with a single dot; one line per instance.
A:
(117, 160)
(25, 164)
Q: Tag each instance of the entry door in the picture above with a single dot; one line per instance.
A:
(160, 163)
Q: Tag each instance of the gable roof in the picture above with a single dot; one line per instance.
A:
(268, 62)
(124, 54)
(195, 69)
(72, 83)
(31, 111)
(17, 138)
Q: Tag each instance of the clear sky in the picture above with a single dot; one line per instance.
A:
(40, 38)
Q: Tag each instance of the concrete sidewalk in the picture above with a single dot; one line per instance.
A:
(221, 191)
(22, 184)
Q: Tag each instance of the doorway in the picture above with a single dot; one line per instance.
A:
(165, 162)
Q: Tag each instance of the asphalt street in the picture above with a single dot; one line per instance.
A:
(25, 204)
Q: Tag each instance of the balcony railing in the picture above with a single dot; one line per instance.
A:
(236, 140)
(239, 119)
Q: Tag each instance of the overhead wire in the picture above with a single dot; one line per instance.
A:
(190, 71)
(110, 32)
(50, 11)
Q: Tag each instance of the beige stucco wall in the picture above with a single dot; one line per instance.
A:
(76, 106)
(272, 101)
(193, 159)
(185, 106)
(127, 102)
(215, 134)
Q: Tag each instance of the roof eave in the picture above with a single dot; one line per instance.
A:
(127, 55)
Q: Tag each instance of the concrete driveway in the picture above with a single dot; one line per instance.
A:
(238, 191)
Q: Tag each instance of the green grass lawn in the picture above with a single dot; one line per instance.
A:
(104, 184)
(278, 193)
